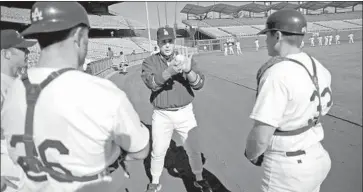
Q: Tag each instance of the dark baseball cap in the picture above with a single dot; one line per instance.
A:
(11, 38)
(164, 33)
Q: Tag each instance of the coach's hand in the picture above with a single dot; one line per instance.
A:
(7, 181)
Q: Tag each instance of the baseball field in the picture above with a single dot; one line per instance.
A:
(222, 109)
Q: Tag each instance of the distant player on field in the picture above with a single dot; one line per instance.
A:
(320, 40)
(293, 94)
(257, 44)
(350, 36)
(330, 39)
(238, 47)
(337, 39)
(312, 43)
(326, 40)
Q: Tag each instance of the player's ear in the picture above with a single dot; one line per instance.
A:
(6, 53)
(278, 35)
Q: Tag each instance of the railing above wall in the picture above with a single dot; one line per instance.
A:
(103, 67)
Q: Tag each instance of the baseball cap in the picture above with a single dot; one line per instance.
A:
(12, 38)
(165, 33)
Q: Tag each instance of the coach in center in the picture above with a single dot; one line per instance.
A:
(172, 80)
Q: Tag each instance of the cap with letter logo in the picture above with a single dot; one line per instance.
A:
(164, 33)
(52, 16)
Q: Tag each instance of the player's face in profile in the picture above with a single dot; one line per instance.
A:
(166, 46)
(19, 56)
(271, 42)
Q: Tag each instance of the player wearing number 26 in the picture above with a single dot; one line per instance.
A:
(293, 93)
(68, 130)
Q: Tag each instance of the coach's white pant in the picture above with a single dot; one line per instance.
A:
(184, 123)
(303, 173)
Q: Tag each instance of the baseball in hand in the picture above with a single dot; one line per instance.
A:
(180, 58)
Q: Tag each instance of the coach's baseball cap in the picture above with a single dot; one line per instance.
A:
(11, 38)
(165, 33)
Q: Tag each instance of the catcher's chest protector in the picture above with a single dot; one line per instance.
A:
(313, 78)
(30, 162)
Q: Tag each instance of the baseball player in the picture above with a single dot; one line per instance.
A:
(14, 51)
(320, 40)
(312, 43)
(326, 40)
(238, 46)
(287, 132)
(350, 36)
(337, 39)
(302, 44)
(68, 130)
(230, 46)
(225, 49)
(330, 39)
(257, 44)
(172, 80)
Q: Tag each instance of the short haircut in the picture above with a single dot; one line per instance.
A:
(47, 39)
(291, 38)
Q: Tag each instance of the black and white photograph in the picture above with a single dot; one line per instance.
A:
(181, 96)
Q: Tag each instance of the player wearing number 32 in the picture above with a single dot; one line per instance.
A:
(69, 130)
(293, 93)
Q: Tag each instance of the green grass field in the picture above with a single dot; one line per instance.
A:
(222, 108)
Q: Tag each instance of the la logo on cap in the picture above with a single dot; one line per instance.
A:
(166, 32)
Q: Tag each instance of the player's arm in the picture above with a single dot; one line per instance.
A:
(195, 77)
(129, 133)
(154, 79)
(267, 113)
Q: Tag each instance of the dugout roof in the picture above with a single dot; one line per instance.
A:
(259, 8)
(283, 5)
(223, 8)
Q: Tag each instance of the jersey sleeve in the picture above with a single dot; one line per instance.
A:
(271, 100)
(129, 132)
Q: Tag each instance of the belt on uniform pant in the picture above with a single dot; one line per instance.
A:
(110, 169)
(295, 153)
(171, 109)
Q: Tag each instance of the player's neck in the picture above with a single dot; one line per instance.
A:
(7, 69)
(57, 58)
(290, 50)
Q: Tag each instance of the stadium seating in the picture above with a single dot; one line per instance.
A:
(355, 21)
(97, 47)
(313, 27)
(15, 15)
(339, 25)
(214, 32)
(195, 23)
(241, 30)
(143, 42)
(106, 22)
(221, 22)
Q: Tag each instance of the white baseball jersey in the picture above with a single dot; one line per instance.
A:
(256, 43)
(320, 39)
(311, 40)
(8, 167)
(350, 36)
(79, 123)
(337, 37)
(238, 45)
(284, 102)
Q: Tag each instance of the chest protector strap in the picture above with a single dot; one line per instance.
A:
(313, 78)
(32, 94)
